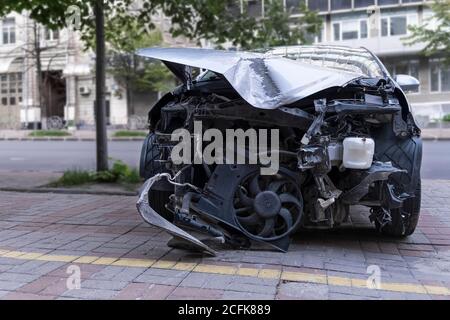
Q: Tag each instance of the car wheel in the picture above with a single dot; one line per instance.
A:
(405, 154)
(404, 220)
(159, 195)
(148, 165)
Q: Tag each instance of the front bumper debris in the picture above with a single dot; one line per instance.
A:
(182, 239)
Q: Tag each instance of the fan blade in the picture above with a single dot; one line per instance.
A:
(249, 220)
(244, 199)
(286, 215)
(254, 186)
(286, 197)
(275, 185)
(268, 228)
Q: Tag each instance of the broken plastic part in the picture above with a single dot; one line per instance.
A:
(377, 172)
(181, 238)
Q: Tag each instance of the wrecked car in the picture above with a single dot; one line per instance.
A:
(345, 137)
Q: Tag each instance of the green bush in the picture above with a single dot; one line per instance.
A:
(74, 177)
(49, 133)
(446, 118)
(119, 173)
(132, 177)
(124, 173)
(125, 133)
(104, 176)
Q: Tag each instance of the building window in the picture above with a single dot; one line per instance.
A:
(51, 34)
(349, 30)
(414, 70)
(10, 89)
(363, 28)
(387, 2)
(253, 8)
(294, 5)
(363, 3)
(318, 5)
(434, 78)
(439, 77)
(384, 27)
(445, 79)
(398, 26)
(337, 31)
(321, 35)
(9, 30)
(394, 26)
(341, 4)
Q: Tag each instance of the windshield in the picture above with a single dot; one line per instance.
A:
(335, 57)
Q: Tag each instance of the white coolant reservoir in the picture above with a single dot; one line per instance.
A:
(358, 153)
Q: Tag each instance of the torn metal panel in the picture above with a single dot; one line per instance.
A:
(265, 81)
(153, 218)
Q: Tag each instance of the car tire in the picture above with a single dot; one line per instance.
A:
(405, 154)
(149, 166)
(405, 219)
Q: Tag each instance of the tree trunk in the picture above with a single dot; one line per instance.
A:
(100, 105)
(130, 85)
(128, 101)
(131, 101)
(40, 86)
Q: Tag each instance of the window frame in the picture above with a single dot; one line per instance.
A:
(439, 78)
(358, 21)
(388, 18)
(323, 35)
(13, 92)
(10, 29)
(51, 35)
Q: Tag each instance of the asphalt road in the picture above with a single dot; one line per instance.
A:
(62, 155)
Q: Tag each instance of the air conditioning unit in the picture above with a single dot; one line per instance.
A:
(85, 90)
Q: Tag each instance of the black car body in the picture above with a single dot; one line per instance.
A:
(322, 99)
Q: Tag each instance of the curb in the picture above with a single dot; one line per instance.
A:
(69, 139)
(435, 138)
(71, 191)
(140, 139)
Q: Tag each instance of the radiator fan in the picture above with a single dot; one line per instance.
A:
(268, 208)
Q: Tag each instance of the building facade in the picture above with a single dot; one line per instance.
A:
(380, 26)
(67, 79)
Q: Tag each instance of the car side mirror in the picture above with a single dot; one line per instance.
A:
(407, 82)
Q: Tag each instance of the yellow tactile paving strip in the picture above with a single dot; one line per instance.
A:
(266, 273)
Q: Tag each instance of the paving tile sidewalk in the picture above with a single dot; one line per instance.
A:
(44, 236)
(26, 179)
(38, 181)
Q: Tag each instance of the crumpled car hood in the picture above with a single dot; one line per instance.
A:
(264, 81)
